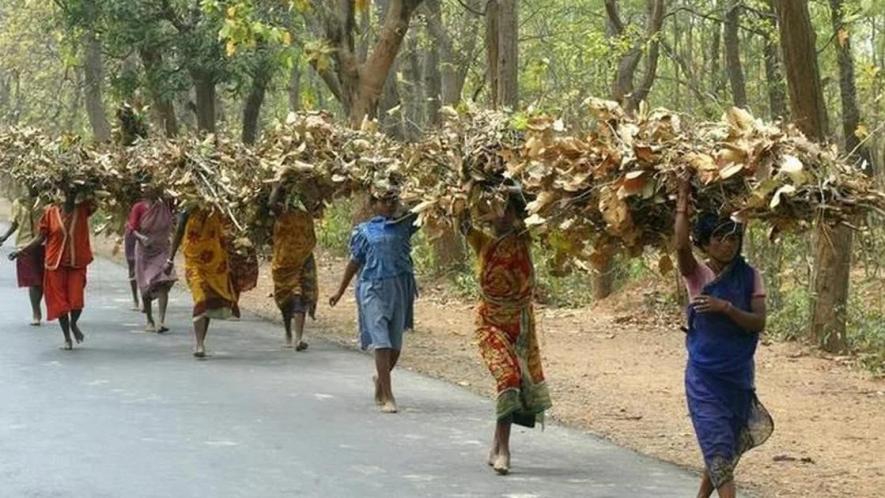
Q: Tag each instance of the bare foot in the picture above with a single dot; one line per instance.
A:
(301, 346)
(389, 406)
(493, 455)
(78, 334)
(289, 344)
(378, 400)
(502, 464)
(150, 328)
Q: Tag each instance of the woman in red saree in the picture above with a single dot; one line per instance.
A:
(151, 221)
(505, 328)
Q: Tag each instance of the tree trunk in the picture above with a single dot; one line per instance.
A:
(733, 56)
(412, 90)
(432, 72)
(847, 86)
(453, 66)
(204, 86)
(365, 82)
(391, 123)
(630, 95)
(715, 58)
(777, 97)
(777, 94)
(252, 107)
(508, 54)
(807, 106)
(163, 107)
(832, 247)
(93, 77)
(492, 51)
(293, 91)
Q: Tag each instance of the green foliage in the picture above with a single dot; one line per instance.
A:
(333, 230)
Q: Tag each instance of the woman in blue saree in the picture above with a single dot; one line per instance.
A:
(726, 315)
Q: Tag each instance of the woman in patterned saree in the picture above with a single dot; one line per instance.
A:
(293, 266)
(208, 270)
(505, 327)
(150, 222)
(726, 315)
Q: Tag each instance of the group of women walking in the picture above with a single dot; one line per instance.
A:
(726, 314)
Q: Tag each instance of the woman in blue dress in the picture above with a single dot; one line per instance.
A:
(380, 252)
(726, 315)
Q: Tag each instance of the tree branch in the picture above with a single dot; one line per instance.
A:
(611, 8)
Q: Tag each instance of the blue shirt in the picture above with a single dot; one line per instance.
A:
(383, 247)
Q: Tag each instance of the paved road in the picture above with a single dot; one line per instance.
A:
(133, 415)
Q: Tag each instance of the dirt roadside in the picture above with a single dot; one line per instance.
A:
(615, 370)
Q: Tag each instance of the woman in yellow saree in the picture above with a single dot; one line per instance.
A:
(293, 266)
(505, 327)
(207, 269)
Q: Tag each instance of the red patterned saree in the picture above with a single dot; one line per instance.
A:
(505, 327)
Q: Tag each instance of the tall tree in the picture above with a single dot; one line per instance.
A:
(777, 97)
(457, 43)
(93, 77)
(625, 90)
(358, 84)
(733, 65)
(833, 246)
(851, 118)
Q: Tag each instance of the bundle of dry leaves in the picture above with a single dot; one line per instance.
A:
(604, 187)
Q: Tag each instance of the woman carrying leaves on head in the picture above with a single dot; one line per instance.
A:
(293, 267)
(207, 269)
(726, 315)
(29, 266)
(505, 325)
(151, 221)
(64, 228)
(380, 251)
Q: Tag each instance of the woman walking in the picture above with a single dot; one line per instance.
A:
(207, 270)
(293, 267)
(29, 266)
(505, 327)
(726, 315)
(65, 230)
(380, 251)
(151, 222)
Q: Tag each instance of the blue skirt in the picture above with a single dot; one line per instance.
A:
(386, 309)
(728, 420)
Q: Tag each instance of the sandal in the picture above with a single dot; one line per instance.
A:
(301, 346)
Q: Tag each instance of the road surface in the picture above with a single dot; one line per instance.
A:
(129, 414)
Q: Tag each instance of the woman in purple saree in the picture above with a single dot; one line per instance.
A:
(151, 221)
(726, 315)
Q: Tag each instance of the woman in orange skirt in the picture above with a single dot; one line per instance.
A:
(65, 230)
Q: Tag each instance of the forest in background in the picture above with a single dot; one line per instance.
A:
(233, 67)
